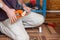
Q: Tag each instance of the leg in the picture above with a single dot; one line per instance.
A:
(33, 20)
(6, 31)
(16, 30)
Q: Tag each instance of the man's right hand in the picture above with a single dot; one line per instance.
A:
(12, 16)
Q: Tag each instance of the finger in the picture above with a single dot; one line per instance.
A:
(25, 9)
(14, 19)
(28, 9)
(10, 19)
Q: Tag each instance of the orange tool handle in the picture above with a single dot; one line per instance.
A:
(19, 13)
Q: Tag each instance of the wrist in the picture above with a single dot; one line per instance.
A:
(5, 8)
(23, 5)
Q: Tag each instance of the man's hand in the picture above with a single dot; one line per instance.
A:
(26, 8)
(10, 12)
(12, 16)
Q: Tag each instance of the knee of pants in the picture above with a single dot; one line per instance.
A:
(34, 19)
(39, 20)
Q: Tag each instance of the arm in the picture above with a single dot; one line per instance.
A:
(24, 6)
(21, 2)
(10, 12)
(4, 7)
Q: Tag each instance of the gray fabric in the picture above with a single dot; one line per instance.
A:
(17, 30)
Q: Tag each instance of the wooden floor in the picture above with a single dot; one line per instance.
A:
(53, 34)
(54, 18)
(36, 35)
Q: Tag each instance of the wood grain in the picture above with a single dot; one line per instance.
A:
(53, 4)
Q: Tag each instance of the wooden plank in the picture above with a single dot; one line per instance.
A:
(53, 4)
(3, 37)
(45, 31)
(53, 15)
(52, 30)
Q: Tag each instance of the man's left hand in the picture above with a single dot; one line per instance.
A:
(26, 8)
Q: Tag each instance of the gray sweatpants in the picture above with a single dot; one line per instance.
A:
(17, 30)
